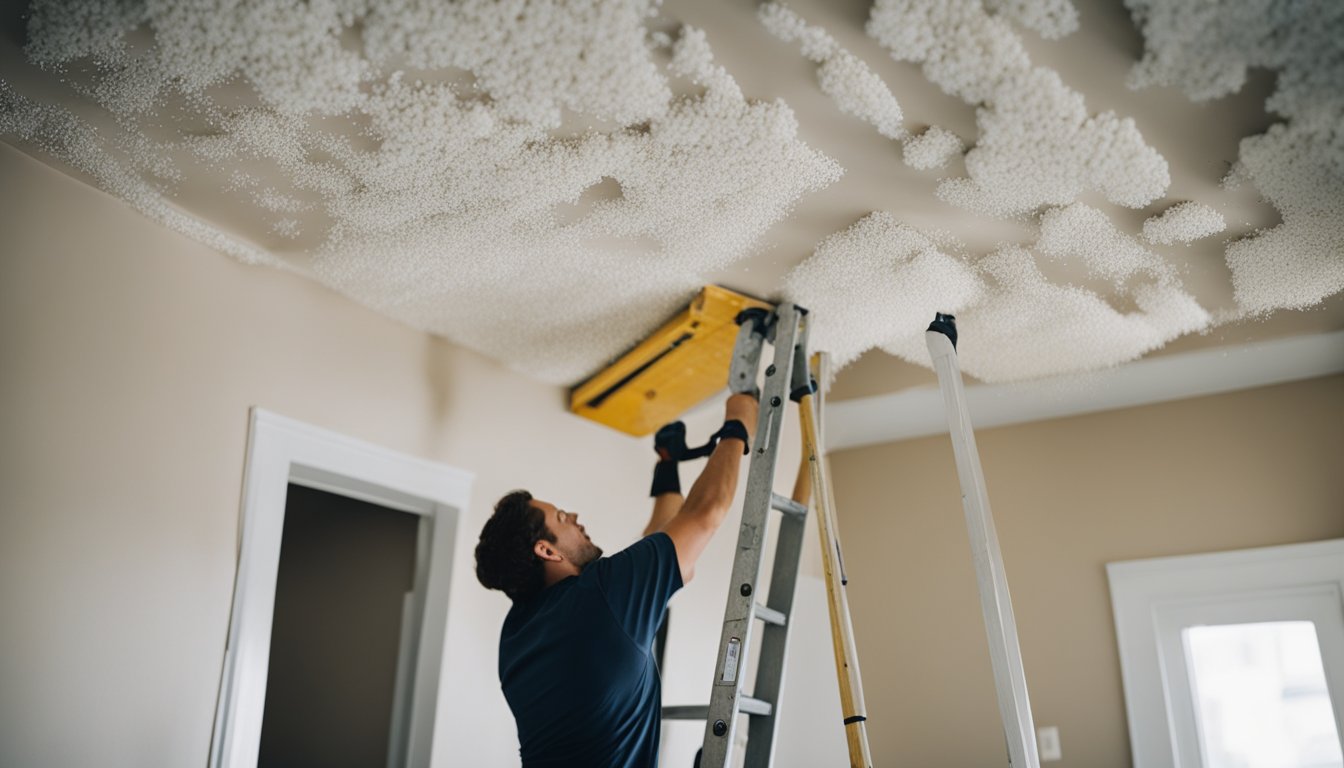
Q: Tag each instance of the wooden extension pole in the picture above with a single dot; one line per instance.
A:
(842, 631)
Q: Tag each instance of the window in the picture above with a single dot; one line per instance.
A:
(1260, 696)
(1234, 659)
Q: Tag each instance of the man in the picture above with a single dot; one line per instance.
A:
(575, 653)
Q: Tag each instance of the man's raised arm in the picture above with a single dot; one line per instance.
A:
(705, 507)
(670, 445)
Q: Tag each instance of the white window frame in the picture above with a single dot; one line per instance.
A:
(282, 451)
(1155, 600)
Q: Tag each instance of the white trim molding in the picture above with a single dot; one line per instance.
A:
(281, 451)
(1154, 601)
(918, 412)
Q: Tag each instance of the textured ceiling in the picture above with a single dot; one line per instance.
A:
(1082, 183)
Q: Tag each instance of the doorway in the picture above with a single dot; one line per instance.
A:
(292, 467)
(343, 593)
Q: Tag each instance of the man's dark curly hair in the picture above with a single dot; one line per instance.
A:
(504, 556)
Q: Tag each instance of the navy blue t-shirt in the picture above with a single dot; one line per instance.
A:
(576, 662)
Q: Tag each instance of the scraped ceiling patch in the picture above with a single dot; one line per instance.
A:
(856, 89)
(1037, 144)
(1297, 165)
(457, 208)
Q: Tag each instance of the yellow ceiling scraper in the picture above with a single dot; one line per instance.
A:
(680, 365)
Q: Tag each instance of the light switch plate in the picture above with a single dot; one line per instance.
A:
(1047, 743)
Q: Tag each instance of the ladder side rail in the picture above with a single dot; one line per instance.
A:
(762, 731)
(853, 709)
(996, 604)
(771, 667)
(738, 623)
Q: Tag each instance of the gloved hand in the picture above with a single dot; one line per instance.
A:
(670, 444)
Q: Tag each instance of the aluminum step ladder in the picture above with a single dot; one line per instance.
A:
(1010, 680)
(787, 379)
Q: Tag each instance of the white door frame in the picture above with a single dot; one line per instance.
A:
(281, 451)
(1154, 600)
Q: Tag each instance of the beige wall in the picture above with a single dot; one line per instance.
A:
(129, 357)
(1247, 469)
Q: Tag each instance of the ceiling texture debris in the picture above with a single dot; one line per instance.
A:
(546, 182)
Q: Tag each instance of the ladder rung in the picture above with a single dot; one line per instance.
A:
(787, 506)
(770, 615)
(753, 706)
(745, 704)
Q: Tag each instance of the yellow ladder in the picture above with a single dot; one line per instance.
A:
(833, 566)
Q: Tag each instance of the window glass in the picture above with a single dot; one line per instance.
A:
(1260, 696)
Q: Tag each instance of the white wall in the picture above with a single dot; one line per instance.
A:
(129, 357)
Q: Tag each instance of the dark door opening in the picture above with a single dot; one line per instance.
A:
(346, 567)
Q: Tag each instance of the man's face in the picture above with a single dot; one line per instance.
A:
(571, 540)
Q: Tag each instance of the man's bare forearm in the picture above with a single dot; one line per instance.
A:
(706, 505)
(712, 494)
(665, 507)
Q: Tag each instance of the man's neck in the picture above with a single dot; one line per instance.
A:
(558, 572)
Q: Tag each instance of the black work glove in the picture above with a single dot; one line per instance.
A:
(670, 441)
(670, 444)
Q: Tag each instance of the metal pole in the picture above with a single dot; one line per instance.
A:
(1010, 680)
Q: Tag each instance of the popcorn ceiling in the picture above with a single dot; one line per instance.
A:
(932, 149)
(1027, 327)
(59, 133)
(447, 216)
(856, 89)
(533, 58)
(875, 280)
(1050, 18)
(1183, 223)
(1297, 165)
(1085, 234)
(1301, 261)
(697, 189)
(1037, 144)
(415, 149)
(879, 283)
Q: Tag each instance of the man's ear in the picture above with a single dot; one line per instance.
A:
(547, 551)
